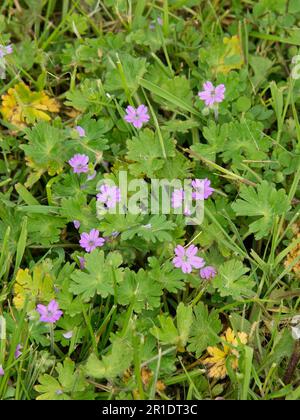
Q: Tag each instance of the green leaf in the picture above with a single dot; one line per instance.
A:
(145, 150)
(231, 280)
(86, 97)
(174, 100)
(243, 104)
(264, 201)
(45, 151)
(45, 229)
(168, 333)
(69, 384)
(155, 230)
(261, 66)
(215, 136)
(244, 140)
(112, 365)
(77, 208)
(133, 69)
(181, 86)
(119, 223)
(180, 126)
(169, 279)
(184, 320)
(98, 278)
(177, 167)
(138, 290)
(205, 329)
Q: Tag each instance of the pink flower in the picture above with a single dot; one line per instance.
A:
(50, 313)
(76, 224)
(211, 95)
(158, 21)
(18, 351)
(79, 163)
(208, 272)
(177, 198)
(5, 50)
(2, 373)
(81, 263)
(203, 189)
(187, 211)
(90, 241)
(68, 334)
(186, 259)
(80, 131)
(9, 49)
(110, 196)
(137, 117)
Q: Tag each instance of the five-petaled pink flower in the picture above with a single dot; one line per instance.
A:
(186, 259)
(79, 163)
(211, 95)
(80, 130)
(109, 196)
(90, 241)
(50, 313)
(137, 116)
(203, 190)
(208, 272)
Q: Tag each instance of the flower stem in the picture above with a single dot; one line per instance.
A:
(293, 362)
(51, 338)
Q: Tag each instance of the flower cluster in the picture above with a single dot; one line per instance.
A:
(187, 260)
(202, 190)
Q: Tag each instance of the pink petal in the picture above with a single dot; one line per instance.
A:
(177, 261)
(191, 251)
(208, 86)
(220, 89)
(53, 306)
(130, 110)
(180, 251)
(142, 109)
(197, 262)
(186, 267)
(137, 124)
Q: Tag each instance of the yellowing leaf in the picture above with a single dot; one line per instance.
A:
(232, 57)
(21, 106)
(217, 357)
(292, 259)
(34, 288)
